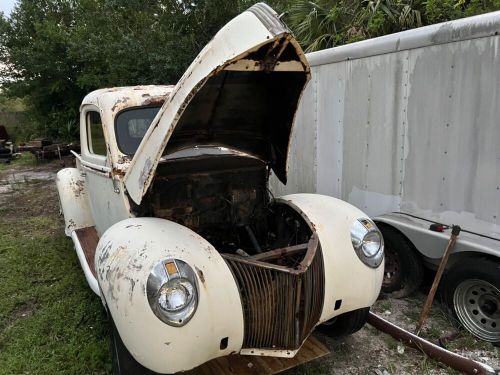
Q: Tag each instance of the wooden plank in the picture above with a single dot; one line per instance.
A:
(88, 238)
(247, 364)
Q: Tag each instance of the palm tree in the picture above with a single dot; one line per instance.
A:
(322, 24)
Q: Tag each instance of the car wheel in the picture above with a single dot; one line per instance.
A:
(345, 324)
(404, 271)
(123, 362)
(471, 290)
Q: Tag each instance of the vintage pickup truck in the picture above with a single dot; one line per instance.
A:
(176, 230)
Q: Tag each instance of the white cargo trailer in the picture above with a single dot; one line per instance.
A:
(407, 128)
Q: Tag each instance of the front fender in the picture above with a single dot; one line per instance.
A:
(347, 278)
(126, 254)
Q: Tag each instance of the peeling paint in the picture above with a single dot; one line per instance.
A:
(120, 103)
(78, 187)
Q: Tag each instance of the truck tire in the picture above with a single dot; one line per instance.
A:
(123, 362)
(404, 271)
(471, 291)
(345, 324)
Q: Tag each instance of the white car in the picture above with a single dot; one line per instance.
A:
(176, 230)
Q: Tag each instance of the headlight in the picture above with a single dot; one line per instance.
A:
(173, 292)
(367, 242)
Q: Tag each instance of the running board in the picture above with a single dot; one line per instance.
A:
(85, 241)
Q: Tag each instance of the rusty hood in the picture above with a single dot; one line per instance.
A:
(240, 92)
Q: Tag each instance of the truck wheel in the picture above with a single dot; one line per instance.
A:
(123, 362)
(345, 324)
(404, 271)
(471, 290)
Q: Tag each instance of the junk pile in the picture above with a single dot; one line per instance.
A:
(5, 146)
(44, 148)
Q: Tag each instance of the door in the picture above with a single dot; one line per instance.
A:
(106, 201)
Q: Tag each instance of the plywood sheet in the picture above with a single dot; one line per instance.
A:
(243, 364)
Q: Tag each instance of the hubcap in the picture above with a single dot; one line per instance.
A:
(477, 304)
(392, 269)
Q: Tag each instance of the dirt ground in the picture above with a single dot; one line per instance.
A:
(27, 189)
(370, 351)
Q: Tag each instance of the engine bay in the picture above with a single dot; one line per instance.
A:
(226, 200)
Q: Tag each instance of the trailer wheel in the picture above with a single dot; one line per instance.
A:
(471, 290)
(345, 324)
(123, 362)
(404, 271)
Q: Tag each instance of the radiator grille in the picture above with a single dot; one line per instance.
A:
(281, 305)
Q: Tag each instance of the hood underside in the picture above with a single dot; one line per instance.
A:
(241, 92)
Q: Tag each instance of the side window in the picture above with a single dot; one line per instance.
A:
(95, 134)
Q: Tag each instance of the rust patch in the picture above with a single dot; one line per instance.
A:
(148, 166)
(71, 224)
(134, 226)
(119, 103)
(155, 100)
(78, 188)
(200, 274)
(115, 172)
(124, 159)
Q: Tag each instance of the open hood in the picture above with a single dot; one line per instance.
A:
(240, 92)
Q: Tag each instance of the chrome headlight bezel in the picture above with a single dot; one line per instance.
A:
(167, 276)
(369, 251)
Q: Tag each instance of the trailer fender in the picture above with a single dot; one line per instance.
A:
(431, 244)
(74, 200)
(126, 255)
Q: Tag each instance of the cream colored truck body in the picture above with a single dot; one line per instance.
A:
(108, 192)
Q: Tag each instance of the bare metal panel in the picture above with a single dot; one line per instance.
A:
(413, 128)
(452, 170)
(373, 124)
(330, 127)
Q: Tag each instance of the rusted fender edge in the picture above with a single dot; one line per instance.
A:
(459, 363)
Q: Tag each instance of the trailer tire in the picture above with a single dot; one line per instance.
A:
(404, 270)
(345, 324)
(123, 362)
(471, 292)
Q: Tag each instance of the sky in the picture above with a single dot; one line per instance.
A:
(6, 6)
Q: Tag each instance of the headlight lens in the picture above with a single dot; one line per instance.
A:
(172, 292)
(367, 242)
(175, 295)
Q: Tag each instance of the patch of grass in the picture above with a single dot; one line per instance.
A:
(466, 341)
(391, 343)
(50, 321)
(432, 332)
(391, 367)
(412, 313)
(383, 305)
(426, 365)
(26, 159)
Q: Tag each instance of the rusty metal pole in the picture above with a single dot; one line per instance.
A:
(458, 362)
(455, 231)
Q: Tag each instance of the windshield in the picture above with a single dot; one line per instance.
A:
(131, 126)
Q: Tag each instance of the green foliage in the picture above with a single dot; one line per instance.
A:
(53, 52)
(327, 23)
(11, 104)
(56, 51)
